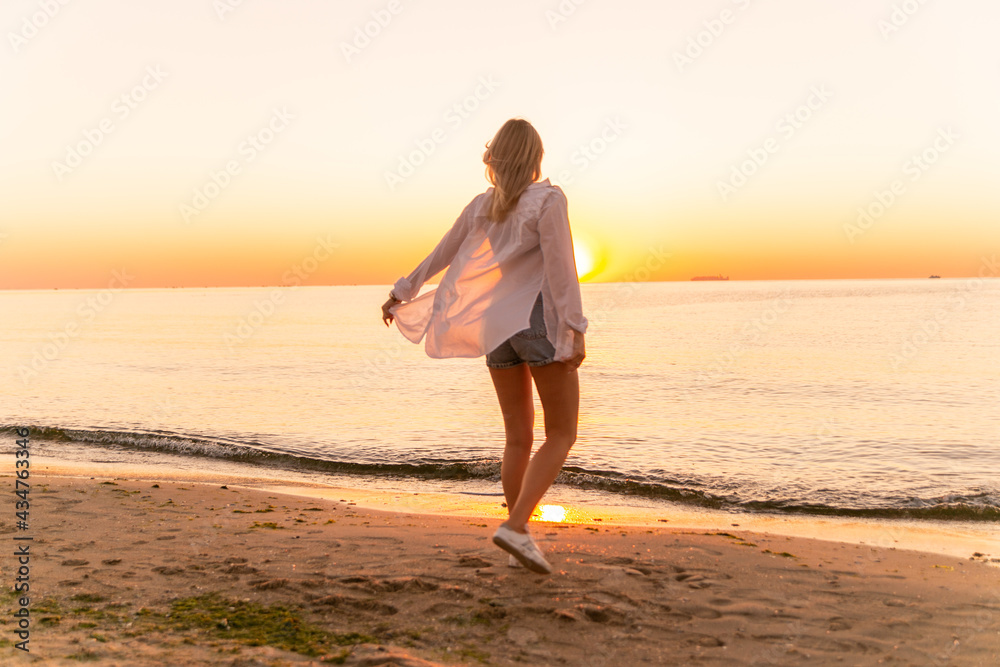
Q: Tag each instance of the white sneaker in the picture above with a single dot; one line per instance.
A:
(513, 562)
(523, 548)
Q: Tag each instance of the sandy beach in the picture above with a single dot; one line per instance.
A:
(139, 572)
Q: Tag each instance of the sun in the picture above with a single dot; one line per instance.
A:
(591, 255)
(584, 258)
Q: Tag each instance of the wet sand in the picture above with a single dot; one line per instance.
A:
(145, 572)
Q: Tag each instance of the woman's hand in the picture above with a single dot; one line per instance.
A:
(579, 351)
(386, 315)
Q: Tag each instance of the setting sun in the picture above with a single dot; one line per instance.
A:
(584, 259)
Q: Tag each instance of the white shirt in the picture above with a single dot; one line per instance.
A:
(495, 272)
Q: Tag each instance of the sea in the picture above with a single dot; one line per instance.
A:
(854, 398)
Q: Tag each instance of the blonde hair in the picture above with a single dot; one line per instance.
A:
(513, 161)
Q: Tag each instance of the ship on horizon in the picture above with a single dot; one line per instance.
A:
(718, 277)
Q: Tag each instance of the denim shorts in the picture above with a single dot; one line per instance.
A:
(528, 346)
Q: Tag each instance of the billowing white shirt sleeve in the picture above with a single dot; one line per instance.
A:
(559, 263)
(407, 287)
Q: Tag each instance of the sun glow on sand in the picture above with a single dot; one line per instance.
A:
(555, 513)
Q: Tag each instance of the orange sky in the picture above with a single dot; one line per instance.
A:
(274, 145)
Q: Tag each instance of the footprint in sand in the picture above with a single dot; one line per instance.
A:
(380, 538)
(601, 614)
(394, 584)
(838, 623)
(522, 636)
(457, 590)
(616, 600)
(697, 611)
(567, 615)
(618, 569)
(710, 641)
(359, 604)
(841, 647)
(618, 560)
(442, 609)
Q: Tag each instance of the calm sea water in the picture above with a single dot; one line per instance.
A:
(847, 397)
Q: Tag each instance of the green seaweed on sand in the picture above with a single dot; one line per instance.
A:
(256, 624)
(48, 605)
(784, 554)
(84, 656)
(267, 524)
(469, 651)
(739, 540)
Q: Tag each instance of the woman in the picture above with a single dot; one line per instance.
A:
(511, 293)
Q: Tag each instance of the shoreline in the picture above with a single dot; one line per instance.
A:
(973, 540)
(142, 572)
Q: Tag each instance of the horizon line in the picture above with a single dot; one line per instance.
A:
(389, 285)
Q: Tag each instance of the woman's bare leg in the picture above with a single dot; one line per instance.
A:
(559, 390)
(513, 386)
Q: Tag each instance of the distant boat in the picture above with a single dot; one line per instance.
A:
(718, 277)
(935, 276)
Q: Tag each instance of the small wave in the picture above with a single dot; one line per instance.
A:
(979, 507)
(984, 506)
(259, 453)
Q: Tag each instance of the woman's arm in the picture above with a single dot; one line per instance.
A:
(559, 261)
(556, 242)
(407, 287)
